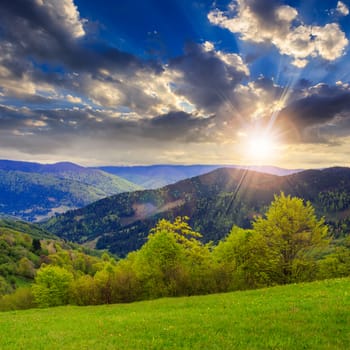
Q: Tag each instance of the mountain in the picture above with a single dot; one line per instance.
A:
(156, 176)
(214, 202)
(33, 191)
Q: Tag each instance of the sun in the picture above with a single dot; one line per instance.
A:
(260, 147)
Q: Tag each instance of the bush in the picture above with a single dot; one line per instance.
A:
(51, 287)
(22, 298)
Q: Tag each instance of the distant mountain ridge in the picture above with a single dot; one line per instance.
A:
(156, 176)
(214, 202)
(34, 191)
(30, 167)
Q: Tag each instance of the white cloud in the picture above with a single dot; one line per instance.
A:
(73, 99)
(301, 41)
(231, 59)
(342, 9)
(65, 12)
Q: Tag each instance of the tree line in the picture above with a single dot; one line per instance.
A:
(289, 244)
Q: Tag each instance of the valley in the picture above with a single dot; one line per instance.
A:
(34, 191)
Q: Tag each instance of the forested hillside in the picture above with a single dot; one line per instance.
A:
(34, 191)
(288, 244)
(24, 248)
(214, 202)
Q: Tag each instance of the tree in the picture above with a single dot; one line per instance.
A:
(36, 245)
(104, 284)
(196, 268)
(84, 291)
(126, 285)
(5, 287)
(26, 268)
(173, 261)
(244, 261)
(51, 286)
(336, 264)
(158, 265)
(292, 232)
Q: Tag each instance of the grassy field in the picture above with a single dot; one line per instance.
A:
(303, 316)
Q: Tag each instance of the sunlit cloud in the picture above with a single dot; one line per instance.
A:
(269, 23)
(342, 9)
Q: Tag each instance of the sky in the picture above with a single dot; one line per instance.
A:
(132, 82)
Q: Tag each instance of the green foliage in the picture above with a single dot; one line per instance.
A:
(337, 263)
(244, 260)
(159, 265)
(5, 286)
(20, 255)
(21, 299)
(292, 232)
(334, 201)
(26, 268)
(51, 287)
(173, 261)
(281, 248)
(83, 291)
(289, 244)
(33, 230)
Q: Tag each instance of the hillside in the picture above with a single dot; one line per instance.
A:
(156, 176)
(299, 316)
(24, 247)
(214, 202)
(33, 191)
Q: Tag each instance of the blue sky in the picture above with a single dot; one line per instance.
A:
(178, 81)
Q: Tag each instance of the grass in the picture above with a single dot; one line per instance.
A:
(302, 316)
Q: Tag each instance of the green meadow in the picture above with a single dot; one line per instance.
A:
(300, 316)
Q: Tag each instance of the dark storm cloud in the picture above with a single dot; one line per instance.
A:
(31, 30)
(47, 54)
(180, 125)
(208, 81)
(27, 129)
(323, 112)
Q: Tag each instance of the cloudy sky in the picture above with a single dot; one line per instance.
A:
(180, 81)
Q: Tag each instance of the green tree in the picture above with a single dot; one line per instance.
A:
(83, 291)
(51, 286)
(158, 265)
(195, 272)
(336, 264)
(5, 287)
(26, 268)
(104, 284)
(244, 260)
(126, 284)
(21, 298)
(173, 261)
(293, 232)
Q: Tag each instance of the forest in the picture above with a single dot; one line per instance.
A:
(288, 244)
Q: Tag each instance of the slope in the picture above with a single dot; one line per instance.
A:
(311, 316)
(214, 202)
(24, 247)
(33, 191)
